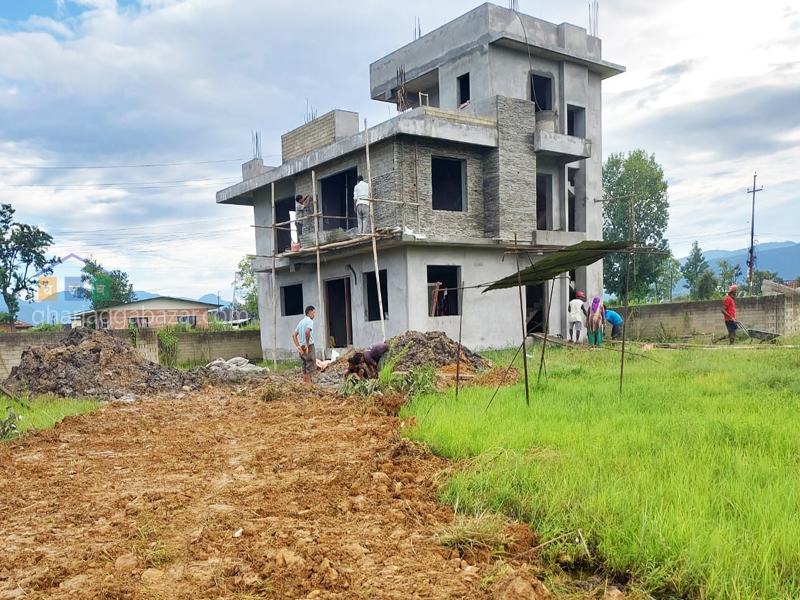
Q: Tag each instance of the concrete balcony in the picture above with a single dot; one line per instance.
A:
(565, 148)
(543, 237)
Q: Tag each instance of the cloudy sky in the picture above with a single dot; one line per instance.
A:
(712, 89)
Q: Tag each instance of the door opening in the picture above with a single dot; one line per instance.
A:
(337, 310)
(337, 200)
(535, 306)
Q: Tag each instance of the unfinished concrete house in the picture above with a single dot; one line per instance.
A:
(498, 134)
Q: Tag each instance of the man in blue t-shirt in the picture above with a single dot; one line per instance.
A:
(615, 321)
(303, 337)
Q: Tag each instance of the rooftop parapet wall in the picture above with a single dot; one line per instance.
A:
(478, 29)
(331, 127)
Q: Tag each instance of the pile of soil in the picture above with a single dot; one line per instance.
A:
(433, 348)
(95, 363)
(497, 376)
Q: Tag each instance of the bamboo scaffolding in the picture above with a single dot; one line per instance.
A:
(524, 330)
(372, 227)
(274, 288)
(316, 240)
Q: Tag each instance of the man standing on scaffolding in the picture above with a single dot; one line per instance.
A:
(301, 204)
(361, 200)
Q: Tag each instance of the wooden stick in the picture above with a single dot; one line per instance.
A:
(458, 358)
(546, 328)
(372, 224)
(319, 272)
(274, 288)
(511, 364)
(524, 330)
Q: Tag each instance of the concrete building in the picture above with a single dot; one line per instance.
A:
(498, 134)
(153, 313)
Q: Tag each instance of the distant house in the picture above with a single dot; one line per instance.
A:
(18, 325)
(234, 317)
(153, 312)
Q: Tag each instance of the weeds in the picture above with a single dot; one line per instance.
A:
(486, 531)
(43, 412)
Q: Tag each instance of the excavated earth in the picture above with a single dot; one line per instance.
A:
(95, 363)
(221, 494)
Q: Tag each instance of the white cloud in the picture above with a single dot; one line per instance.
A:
(186, 80)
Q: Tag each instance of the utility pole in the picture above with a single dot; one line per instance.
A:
(751, 261)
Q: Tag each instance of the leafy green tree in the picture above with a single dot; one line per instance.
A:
(634, 184)
(694, 267)
(759, 276)
(706, 286)
(669, 272)
(728, 274)
(246, 285)
(797, 281)
(22, 253)
(121, 289)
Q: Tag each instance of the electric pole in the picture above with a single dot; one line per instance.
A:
(751, 261)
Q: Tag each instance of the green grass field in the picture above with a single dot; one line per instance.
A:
(689, 482)
(43, 412)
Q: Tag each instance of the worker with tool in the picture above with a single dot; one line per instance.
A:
(729, 312)
(361, 203)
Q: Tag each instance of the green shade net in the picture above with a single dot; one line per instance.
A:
(560, 262)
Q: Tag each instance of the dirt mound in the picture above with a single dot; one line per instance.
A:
(433, 348)
(497, 376)
(95, 363)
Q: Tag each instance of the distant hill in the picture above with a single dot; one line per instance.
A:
(782, 258)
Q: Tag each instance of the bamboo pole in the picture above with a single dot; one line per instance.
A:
(546, 328)
(274, 287)
(372, 224)
(524, 332)
(460, 322)
(319, 272)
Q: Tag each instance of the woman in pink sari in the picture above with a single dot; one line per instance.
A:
(595, 321)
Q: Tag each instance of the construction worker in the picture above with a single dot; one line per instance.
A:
(361, 203)
(301, 204)
(729, 312)
(576, 316)
(303, 338)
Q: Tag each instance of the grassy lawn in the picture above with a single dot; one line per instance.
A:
(689, 481)
(44, 412)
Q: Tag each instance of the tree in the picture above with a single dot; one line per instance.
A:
(797, 281)
(728, 274)
(637, 182)
(758, 278)
(120, 290)
(22, 253)
(694, 267)
(705, 287)
(246, 285)
(669, 272)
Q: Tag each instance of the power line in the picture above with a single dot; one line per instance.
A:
(177, 164)
(138, 184)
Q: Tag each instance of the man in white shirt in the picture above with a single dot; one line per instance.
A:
(361, 200)
(575, 317)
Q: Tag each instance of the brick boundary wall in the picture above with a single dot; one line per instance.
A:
(765, 313)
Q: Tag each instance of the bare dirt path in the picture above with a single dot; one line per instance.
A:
(221, 495)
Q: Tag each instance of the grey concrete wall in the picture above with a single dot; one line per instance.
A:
(767, 313)
(511, 73)
(490, 320)
(365, 332)
(205, 346)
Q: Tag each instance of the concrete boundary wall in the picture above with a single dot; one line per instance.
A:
(765, 313)
(205, 346)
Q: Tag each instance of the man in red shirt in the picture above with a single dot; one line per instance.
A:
(729, 312)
